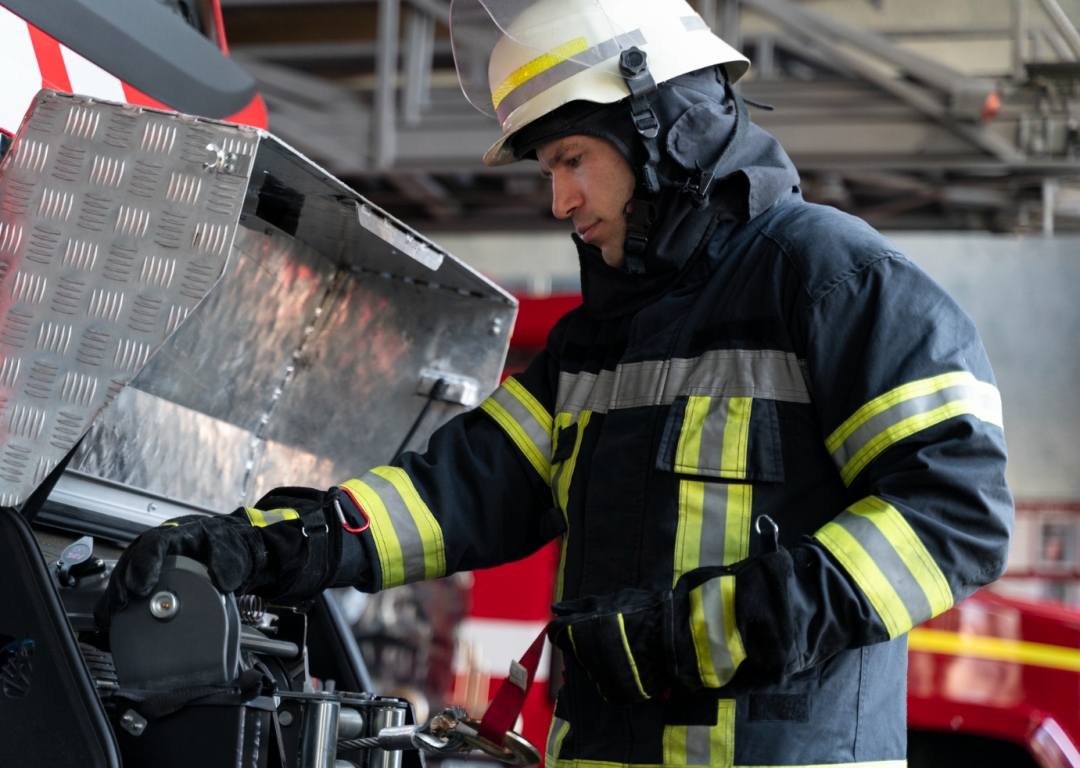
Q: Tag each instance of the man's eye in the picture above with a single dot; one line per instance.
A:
(574, 162)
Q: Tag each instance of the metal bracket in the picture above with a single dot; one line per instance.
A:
(459, 389)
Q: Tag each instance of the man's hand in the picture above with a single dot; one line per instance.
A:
(288, 546)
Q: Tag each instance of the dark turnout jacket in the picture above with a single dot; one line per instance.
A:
(796, 366)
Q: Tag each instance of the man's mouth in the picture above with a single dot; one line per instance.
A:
(586, 233)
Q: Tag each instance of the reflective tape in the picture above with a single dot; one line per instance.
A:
(556, 735)
(717, 642)
(561, 478)
(883, 554)
(407, 536)
(526, 422)
(260, 518)
(563, 475)
(764, 373)
(715, 437)
(552, 68)
(714, 525)
(906, 410)
(704, 745)
(630, 657)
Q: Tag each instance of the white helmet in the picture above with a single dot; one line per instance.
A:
(519, 60)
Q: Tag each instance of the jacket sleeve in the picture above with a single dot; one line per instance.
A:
(478, 497)
(912, 420)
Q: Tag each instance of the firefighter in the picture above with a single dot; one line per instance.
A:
(771, 444)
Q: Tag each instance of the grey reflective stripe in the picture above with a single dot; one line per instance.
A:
(712, 605)
(559, 729)
(539, 434)
(879, 425)
(272, 516)
(764, 373)
(694, 23)
(566, 69)
(698, 745)
(584, 392)
(713, 525)
(408, 536)
(887, 559)
(710, 454)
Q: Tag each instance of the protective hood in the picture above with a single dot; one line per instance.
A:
(696, 118)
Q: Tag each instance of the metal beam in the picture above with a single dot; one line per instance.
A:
(968, 96)
(1063, 23)
(386, 70)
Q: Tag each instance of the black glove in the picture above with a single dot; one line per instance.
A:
(287, 548)
(635, 644)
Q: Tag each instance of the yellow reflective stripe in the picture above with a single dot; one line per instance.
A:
(688, 538)
(169, 524)
(737, 523)
(714, 438)
(879, 549)
(714, 525)
(995, 649)
(562, 567)
(689, 447)
(722, 736)
(560, 483)
(556, 735)
(911, 550)
(391, 562)
(906, 410)
(565, 473)
(874, 584)
(717, 642)
(700, 634)
(736, 438)
(260, 518)
(569, 763)
(675, 745)
(530, 428)
(427, 526)
(537, 66)
(630, 657)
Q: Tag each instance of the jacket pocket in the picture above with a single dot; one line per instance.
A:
(720, 446)
(728, 438)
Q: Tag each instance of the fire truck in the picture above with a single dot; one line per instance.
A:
(994, 681)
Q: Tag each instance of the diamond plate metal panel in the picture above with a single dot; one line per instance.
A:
(248, 319)
(114, 223)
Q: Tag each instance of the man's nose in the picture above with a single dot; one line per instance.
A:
(565, 197)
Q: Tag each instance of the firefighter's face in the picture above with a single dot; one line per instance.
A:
(591, 183)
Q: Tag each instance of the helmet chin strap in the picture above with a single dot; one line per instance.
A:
(641, 210)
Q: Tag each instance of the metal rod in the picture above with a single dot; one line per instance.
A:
(1049, 202)
(1019, 37)
(1063, 23)
(318, 747)
(419, 59)
(386, 71)
(731, 27)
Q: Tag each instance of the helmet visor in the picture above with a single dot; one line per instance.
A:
(507, 51)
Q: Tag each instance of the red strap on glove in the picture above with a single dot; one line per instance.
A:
(504, 709)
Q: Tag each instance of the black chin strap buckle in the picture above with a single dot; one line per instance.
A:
(641, 211)
(640, 215)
